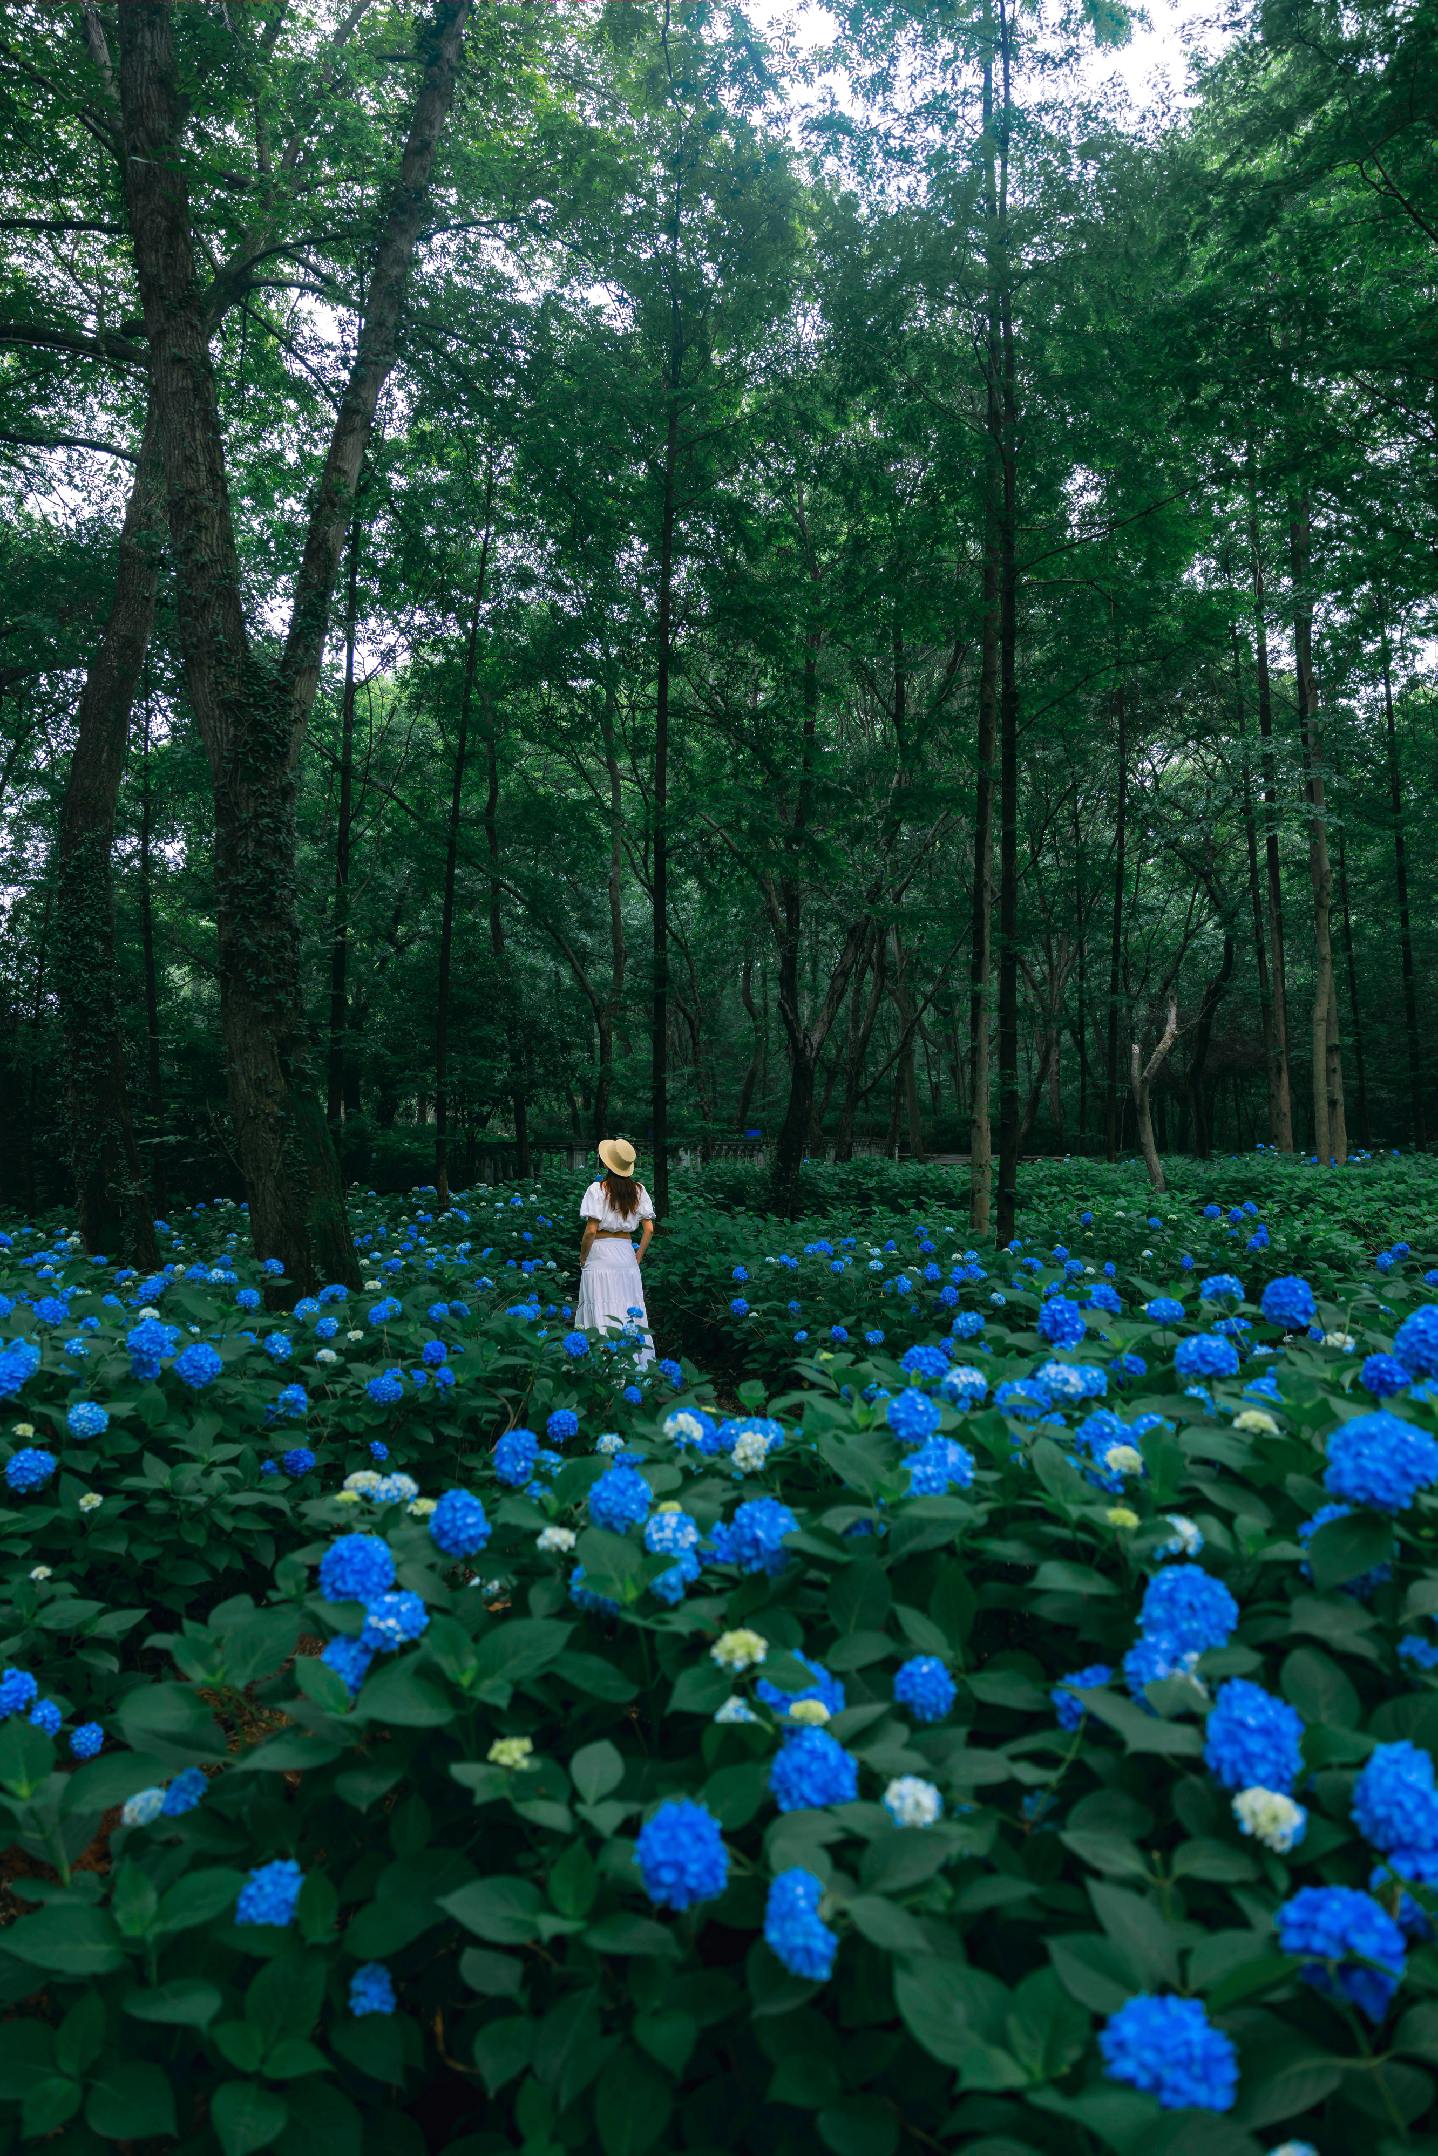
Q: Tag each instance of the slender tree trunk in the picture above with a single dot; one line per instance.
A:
(113, 1201)
(1080, 1030)
(1405, 923)
(1115, 953)
(37, 1006)
(252, 714)
(1283, 1103)
(515, 1030)
(451, 865)
(1142, 1076)
(751, 1075)
(618, 953)
(1330, 1137)
(1008, 683)
(1360, 1067)
(861, 1032)
(339, 1047)
(1199, 1103)
(1271, 1060)
(154, 1090)
(906, 1077)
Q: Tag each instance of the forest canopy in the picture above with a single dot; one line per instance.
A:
(588, 566)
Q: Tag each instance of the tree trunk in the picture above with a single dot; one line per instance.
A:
(1272, 1063)
(154, 1090)
(860, 1034)
(1115, 952)
(1283, 1104)
(1142, 1076)
(1330, 1137)
(339, 1044)
(1405, 924)
(1199, 1100)
(906, 1077)
(751, 1075)
(113, 1201)
(251, 715)
(451, 865)
(618, 954)
(1360, 1067)
(1008, 684)
(515, 1031)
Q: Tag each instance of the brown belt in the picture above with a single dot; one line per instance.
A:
(625, 1234)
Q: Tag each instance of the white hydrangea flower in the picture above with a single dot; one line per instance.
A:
(1344, 1342)
(1122, 1516)
(24, 1429)
(736, 1709)
(348, 1497)
(143, 1808)
(610, 1443)
(149, 1311)
(372, 1287)
(1123, 1460)
(326, 1355)
(91, 1501)
(422, 1507)
(356, 1332)
(811, 1712)
(365, 1481)
(41, 1572)
(750, 1452)
(511, 1752)
(913, 1802)
(556, 1538)
(682, 1427)
(1187, 1536)
(1256, 1423)
(741, 1649)
(1271, 1818)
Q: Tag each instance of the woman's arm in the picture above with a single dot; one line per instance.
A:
(586, 1239)
(646, 1234)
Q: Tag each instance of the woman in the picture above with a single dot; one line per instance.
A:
(611, 1293)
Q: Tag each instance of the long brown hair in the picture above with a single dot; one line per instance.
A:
(622, 1192)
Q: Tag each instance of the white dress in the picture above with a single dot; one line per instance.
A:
(610, 1282)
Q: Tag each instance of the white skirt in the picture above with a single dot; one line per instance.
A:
(610, 1287)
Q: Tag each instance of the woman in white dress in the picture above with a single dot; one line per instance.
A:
(613, 1210)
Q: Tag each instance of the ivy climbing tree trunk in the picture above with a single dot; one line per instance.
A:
(252, 713)
(339, 1029)
(113, 1201)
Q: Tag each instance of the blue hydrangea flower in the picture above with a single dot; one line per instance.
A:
(1068, 1707)
(87, 1741)
(620, 1499)
(912, 1416)
(1334, 1931)
(1189, 1607)
(185, 1792)
(356, 1568)
(812, 1769)
(1206, 1355)
(270, 1893)
(561, 1426)
(18, 1691)
(1384, 1375)
(754, 1538)
(1395, 1802)
(1253, 1740)
(299, 1460)
(19, 1361)
(1221, 1288)
(923, 1361)
(826, 1688)
(29, 1469)
(1061, 1322)
(793, 1929)
(576, 1346)
(1170, 2049)
(386, 1389)
(1416, 1341)
(47, 1716)
(1289, 1302)
(584, 1598)
(514, 1457)
(459, 1525)
(681, 1855)
(372, 1989)
(350, 1660)
(940, 1465)
(1380, 1461)
(924, 1686)
(198, 1365)
(87, 1419)
(393, 1621)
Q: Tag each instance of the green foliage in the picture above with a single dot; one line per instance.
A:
(468, 1815)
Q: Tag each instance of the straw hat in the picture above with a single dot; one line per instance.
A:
(618, 1155)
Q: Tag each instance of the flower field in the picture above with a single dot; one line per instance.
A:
(951, 1700)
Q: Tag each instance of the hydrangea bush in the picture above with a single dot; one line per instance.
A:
(989, 1704)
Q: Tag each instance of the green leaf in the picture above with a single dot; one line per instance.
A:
(199, 1898)
(596, 1769)
(67, 1942)
(27, 1756)
(632, 2105)
(861, 1597)
(518, 1647)
(503, 2049)
(80, 2038)
(1139, 1932)
(502, 1910)
(47, 2104)
(172, 1722)
(622, 1932)
(592, 1674)
(1091, 1970)
(405, 1696)
(884, 1923)
(246, 2116)
(189, 2001)
(1338, 1552)
(130, 2102)
(1312, 1682)
(864, 2125)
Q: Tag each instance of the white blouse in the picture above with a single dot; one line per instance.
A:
(596, 1205)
